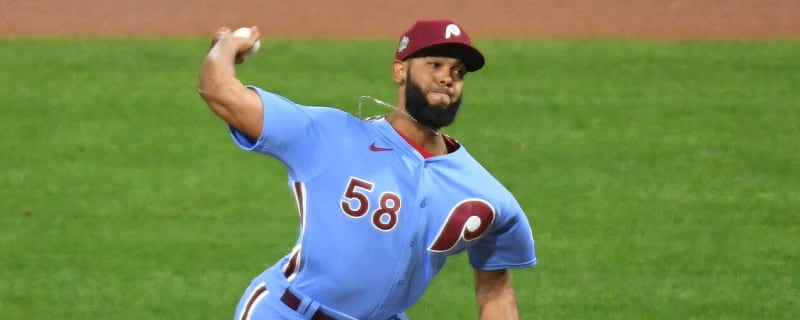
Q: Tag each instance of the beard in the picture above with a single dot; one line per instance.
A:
(426, 114)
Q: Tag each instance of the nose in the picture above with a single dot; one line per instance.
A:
(445, 77)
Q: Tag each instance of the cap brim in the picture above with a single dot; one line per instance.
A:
(471, 57)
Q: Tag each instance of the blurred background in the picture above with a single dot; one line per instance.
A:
(653, 145)
(365, 18)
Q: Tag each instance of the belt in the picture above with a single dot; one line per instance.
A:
(293, 302)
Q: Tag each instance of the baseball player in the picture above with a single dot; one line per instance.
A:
(382, 202)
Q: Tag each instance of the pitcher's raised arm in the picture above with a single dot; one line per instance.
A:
(222, 91)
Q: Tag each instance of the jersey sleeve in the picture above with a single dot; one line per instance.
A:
(509, 244)
(290, 133)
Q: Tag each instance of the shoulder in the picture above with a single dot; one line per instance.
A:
(334, 119)
(272, 100)
(477, 174)
(465, 162)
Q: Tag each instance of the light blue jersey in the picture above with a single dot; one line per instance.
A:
(377, 220)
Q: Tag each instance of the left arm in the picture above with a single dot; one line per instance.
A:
(495, 295)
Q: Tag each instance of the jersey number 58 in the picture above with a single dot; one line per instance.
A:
(356, 204)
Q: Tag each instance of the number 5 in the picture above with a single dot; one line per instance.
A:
(354, 191)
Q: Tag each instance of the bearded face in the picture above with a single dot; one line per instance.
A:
(433, 116)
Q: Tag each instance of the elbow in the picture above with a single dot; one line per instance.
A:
(207, 96)
(212, 99)
(203, 88)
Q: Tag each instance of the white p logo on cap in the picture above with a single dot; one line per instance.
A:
(452, 30)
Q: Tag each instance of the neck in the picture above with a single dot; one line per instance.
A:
(422, 135)
(401, 111)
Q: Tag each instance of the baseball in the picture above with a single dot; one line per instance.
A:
(244, 32)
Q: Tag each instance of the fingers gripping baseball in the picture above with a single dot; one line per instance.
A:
(251, 42)
(244, 40)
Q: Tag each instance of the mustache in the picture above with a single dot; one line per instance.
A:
(444, 90)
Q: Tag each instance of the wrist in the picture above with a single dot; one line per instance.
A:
(224, 50)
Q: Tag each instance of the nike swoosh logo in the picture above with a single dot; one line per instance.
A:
(375, 148)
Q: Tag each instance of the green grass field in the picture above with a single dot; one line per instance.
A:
(662, 179)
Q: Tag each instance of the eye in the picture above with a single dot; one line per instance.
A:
(459, 73)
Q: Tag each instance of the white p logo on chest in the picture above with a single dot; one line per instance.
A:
(451, 30)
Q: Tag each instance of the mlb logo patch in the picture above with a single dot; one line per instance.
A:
(403, 44)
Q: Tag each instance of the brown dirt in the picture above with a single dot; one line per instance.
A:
(674, 19)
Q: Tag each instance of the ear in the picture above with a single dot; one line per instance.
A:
(399, 70)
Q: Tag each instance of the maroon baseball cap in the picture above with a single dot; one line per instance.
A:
(427, 36)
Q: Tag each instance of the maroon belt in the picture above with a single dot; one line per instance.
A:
(292, 301)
